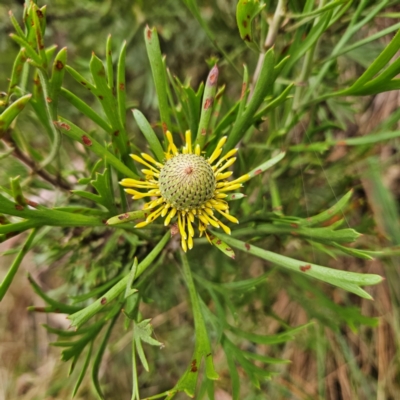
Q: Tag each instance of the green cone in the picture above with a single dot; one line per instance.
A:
(187, 181)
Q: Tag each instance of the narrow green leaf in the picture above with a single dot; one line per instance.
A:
(210, 90)
(329, 213)
(132, 276)
(269, 339)
(126, 217)
(16, 25)
(235, 196)
(110, 70)
(159, 76)
(55, 306)
(5, 284)
(350, 281)
(99, 357)
(12, 111)
(222, 246)
(57, 77)
(103, 186)
(380, 62)
(149, 134)
(233, 371)
(312, 37)
(274, 103)
(266, 165)
(83, 370)
(28, 48)
(263, 86)
(16, 73)
(39, 27)
(323, 235)
(80, 79)
(74, 132)
(86, 110)
(121, 89)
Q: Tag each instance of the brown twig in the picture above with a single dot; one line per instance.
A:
(35, 169)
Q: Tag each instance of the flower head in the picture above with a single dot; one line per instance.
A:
(188, 187)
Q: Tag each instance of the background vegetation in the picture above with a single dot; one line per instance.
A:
(339, 133)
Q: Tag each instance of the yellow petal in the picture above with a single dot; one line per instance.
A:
(230, 187)
(139, 160)
(218, 149)
(229, 217)
(183, 243)
(226, 229)
(151, 159)
(150, 172)
(225, 175)
(170, 216)
(171, 142)
(188, 137)
(190, 243)
(165, 210)
(141, 224)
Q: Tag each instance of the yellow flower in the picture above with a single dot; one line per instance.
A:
(187, 186)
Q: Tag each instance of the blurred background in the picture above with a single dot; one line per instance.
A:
(332, 359)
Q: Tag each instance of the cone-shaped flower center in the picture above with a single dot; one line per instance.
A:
(187, 181)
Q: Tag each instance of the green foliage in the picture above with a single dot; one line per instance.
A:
(287, 115)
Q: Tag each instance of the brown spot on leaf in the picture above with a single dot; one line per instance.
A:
(101, 97)
(247, 38)
(48, 99)
(103, 301)
(39, 13)
(121, 86)
(148, 33)
(164, 127)
(293, 225)
(19, 207)
(244, 23)
(244, 87)
(116, 133)
(258, 172)
(208, 103)
(86, 141)
(193, 366)
(123, 216)
(60, 65)
(305, 268)
(247, 246)
(228, 249)
(212, 78)
(83, 82)
(233, 196)
(62, 125)
(341, 143)
(218, 241)
(203, 131)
